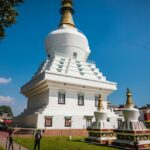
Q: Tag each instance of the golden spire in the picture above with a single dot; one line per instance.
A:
(66, 12)
(100, 103)
(129, 102)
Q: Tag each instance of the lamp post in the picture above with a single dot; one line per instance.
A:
(70, 136)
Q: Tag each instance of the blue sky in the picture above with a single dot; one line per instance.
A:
(119, 36)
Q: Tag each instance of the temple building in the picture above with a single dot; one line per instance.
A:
(101, 131)
(132, 133)
(64, 92)
(145, 115)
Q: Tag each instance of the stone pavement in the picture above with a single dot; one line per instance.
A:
(3, 138)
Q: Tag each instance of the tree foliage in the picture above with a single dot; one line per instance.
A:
(8, 14)
(6, 109)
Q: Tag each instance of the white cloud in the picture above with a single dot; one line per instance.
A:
(5, 80)
(6, 100)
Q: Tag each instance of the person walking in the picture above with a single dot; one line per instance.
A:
(37, 139)
(10, 139)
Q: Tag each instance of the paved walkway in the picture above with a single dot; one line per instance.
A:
(3, 138)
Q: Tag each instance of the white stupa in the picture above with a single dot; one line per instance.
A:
(132, 133)
(101, 131)
(64, 91)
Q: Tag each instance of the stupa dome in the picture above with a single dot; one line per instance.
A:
(100, 115)
(131, 114)
(69, 42)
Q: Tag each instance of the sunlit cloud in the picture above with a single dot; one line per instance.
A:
(6, 100)
(5, 80)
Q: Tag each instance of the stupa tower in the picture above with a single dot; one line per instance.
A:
(102, 130)
(64, 90)
(132, 133)
(67, 41)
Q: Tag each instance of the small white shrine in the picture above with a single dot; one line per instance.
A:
(132, 133)
(64, 92)
(101, 131)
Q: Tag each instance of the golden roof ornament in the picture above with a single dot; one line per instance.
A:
(129, 102)
(100, 103)
(66, 12)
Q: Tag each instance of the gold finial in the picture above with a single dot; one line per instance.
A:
(129, 102)
(100, 103)
(66, 12)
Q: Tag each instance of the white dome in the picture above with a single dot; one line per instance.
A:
(100, 115)
(131, 114)
(69, 42)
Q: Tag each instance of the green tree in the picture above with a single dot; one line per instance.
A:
(8, 14)
(6, 109)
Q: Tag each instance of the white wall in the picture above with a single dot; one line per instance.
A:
(71, 103)
(29, 121)
(141, 115)
(39, 100)
(70, 108)
(49, 99)
(58, 122)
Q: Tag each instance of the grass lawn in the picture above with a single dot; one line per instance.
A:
(1, 148)
(60, 143)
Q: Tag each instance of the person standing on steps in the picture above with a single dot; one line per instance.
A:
(37, 139)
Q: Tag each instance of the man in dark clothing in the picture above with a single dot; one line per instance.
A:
(10, 140)
(38, 137)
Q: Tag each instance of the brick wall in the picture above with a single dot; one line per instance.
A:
(63, 132)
